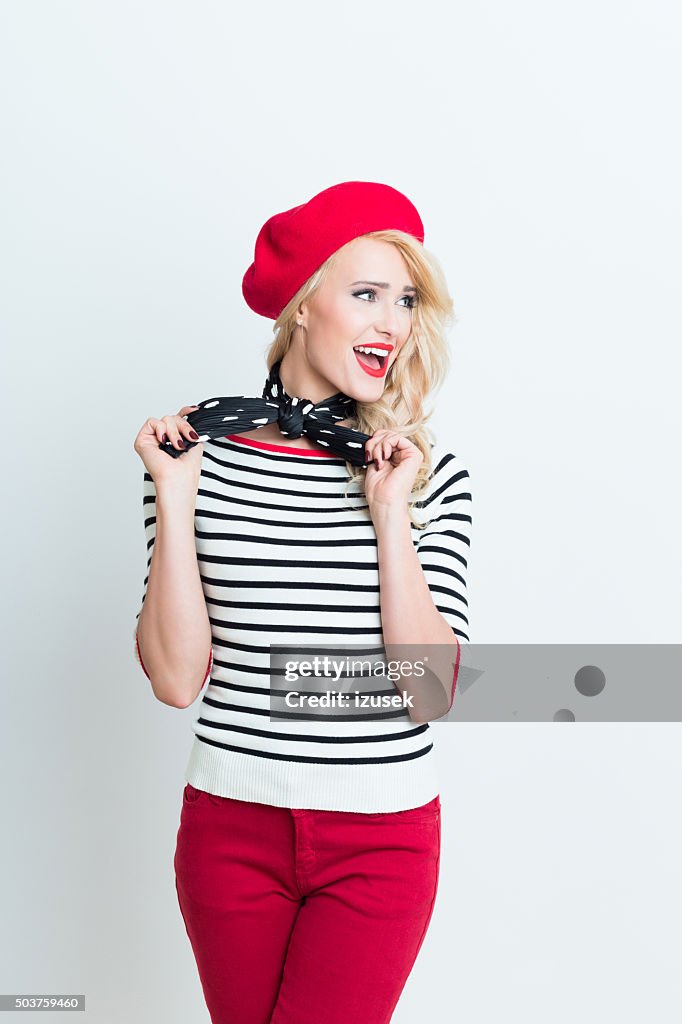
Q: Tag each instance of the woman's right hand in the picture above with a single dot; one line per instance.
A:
(160, 465)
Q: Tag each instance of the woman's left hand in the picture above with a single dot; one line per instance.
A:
(389, 479)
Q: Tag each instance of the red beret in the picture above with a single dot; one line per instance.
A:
(293, 244)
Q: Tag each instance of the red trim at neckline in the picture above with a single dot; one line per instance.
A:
(252, 443)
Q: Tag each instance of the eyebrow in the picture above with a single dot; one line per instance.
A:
(384, 284)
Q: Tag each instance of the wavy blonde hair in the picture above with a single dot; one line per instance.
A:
(419, 370)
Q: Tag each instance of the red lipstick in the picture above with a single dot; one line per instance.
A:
(374, 371)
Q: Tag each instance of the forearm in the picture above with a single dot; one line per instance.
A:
(174, 632)
(409, 617)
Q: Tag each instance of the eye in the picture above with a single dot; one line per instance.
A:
(412, 299)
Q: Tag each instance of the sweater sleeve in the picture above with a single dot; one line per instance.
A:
(149, 512)
(443, 547)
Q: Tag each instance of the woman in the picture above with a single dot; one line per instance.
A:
(308, 852)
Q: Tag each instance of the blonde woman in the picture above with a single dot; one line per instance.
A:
(321, 514)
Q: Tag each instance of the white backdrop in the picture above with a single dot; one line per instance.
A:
(145, 144)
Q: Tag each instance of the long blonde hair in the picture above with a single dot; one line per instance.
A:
(419, 370)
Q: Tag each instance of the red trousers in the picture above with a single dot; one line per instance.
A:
(303, 916)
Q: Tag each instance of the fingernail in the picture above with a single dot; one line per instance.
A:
(164, 438)
(194, 435)
(181, 443)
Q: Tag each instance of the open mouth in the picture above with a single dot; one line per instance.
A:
(373, 358)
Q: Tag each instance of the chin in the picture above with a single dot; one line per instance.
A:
(368, 394)
(362, 387)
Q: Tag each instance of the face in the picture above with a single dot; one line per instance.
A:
(366, 301)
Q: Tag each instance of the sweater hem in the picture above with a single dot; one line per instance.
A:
(368, 789)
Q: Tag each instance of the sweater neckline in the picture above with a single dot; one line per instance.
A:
(286, 449)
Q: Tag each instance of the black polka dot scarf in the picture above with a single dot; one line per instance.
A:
(217, 417)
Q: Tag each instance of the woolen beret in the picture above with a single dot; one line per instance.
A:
(292, 245)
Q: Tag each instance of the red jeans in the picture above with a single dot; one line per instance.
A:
(302, 916)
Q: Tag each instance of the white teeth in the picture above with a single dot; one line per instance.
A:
(376, 351)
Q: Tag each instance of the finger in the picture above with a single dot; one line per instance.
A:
(385, 448)
(396, 444)
(372, 444)
(149, 429)
(380, 449)
(160, 431)
(187, 409)
(157, 428)
(173, 432)
(186, 430)
(151, 425)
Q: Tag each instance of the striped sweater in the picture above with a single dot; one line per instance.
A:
(285, 557)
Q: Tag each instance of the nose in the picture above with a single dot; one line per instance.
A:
(388, 322)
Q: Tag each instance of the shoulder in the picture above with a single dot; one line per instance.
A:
(448, 483)
(449, 473)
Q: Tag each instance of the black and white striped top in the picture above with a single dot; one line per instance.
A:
(285, 557)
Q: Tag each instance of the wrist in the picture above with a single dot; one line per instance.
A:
(390, 517)
(173, 494)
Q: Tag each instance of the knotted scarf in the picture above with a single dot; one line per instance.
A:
(218, 417)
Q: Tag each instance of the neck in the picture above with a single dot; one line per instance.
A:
(300, 380)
